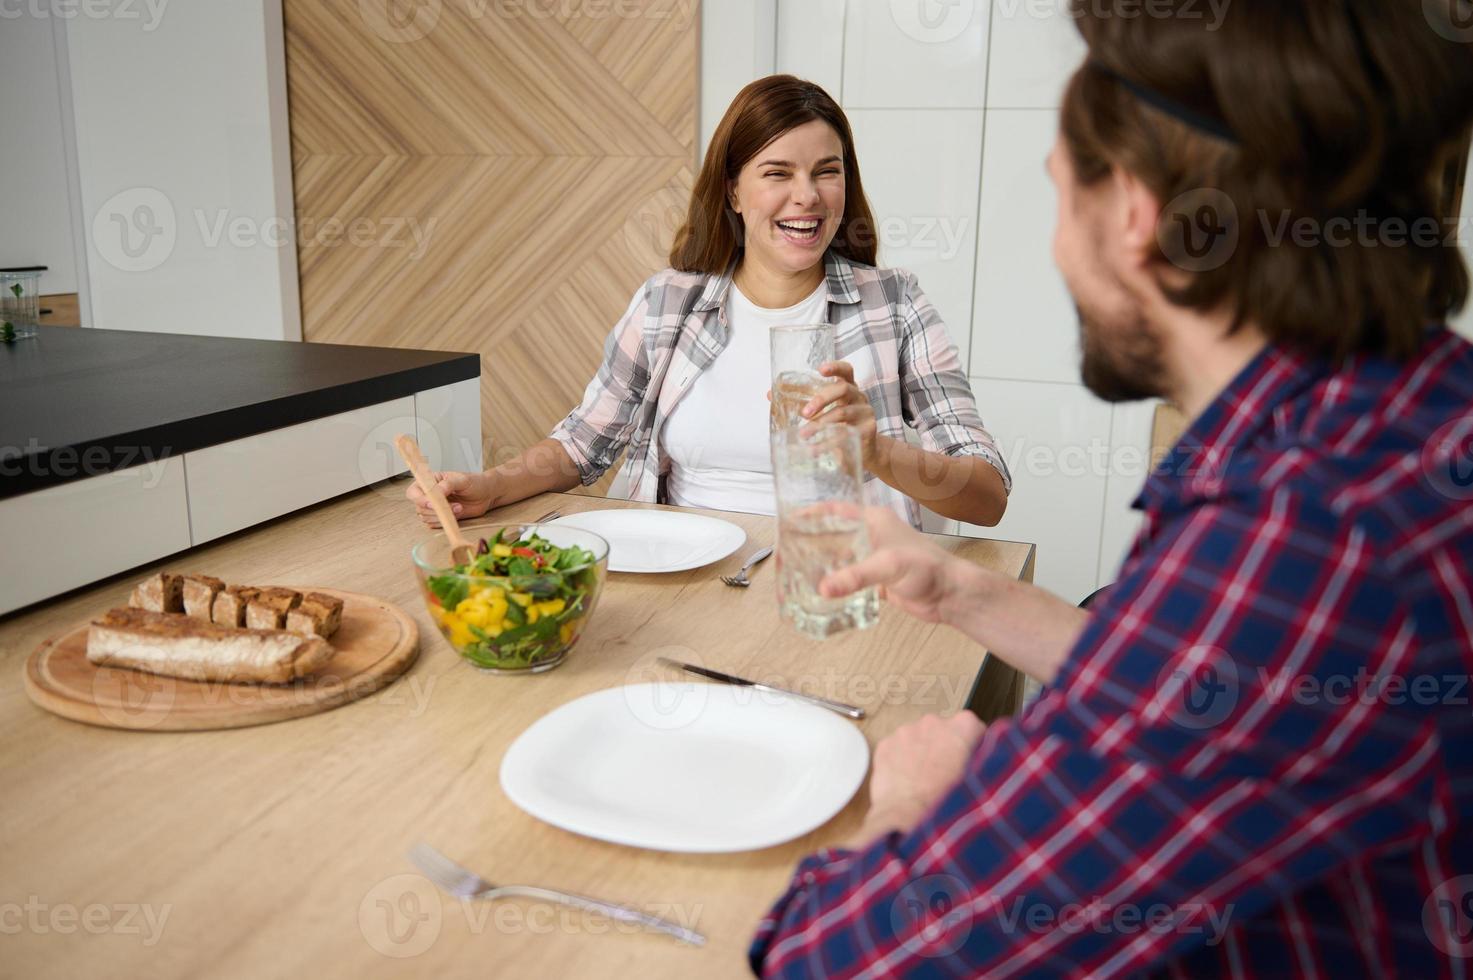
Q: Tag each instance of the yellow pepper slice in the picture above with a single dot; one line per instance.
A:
(460, 634)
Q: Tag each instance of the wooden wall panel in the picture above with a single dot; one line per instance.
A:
(542, 150)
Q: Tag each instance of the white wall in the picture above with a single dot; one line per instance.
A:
(737, 38)
(1060, 440)
(184, 166)
(1463, 323)
(36, 219)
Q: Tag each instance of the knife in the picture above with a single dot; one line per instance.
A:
(847, 710)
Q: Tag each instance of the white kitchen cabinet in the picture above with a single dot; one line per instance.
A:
(448, 422)
(236, 484)
(68, 535)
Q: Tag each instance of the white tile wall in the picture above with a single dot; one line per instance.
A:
(1463, 323)
(737, 46)
(810, 42)
(1035, 49)
(1130, 463)
(915, 53)
(920, 173)
(1024, 324)
(1056, 439)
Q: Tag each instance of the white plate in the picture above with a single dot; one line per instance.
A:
(697, 768)
(659, 540)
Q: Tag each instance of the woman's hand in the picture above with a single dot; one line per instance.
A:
(842, 401)
(469, 494)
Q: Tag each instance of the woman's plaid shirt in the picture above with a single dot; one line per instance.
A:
(676, 327)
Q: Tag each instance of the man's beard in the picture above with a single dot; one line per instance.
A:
(1122, 362)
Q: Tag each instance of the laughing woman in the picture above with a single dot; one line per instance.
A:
(778, 232)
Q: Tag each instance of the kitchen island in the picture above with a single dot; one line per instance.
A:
(118, 447)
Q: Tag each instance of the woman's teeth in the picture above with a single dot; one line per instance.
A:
(800, 231)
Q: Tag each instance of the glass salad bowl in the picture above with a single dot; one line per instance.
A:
(523, 600)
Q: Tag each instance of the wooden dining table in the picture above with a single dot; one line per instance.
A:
(280, 850)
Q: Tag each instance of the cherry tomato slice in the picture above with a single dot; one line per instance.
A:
(529, 553)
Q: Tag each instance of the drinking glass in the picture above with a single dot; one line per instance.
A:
(19, 303)
(820, 510)
(797, 353)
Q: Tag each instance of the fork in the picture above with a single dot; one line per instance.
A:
(740, 580)
(466, 885)
(549, 516)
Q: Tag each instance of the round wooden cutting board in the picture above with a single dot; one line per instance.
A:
(376, 643)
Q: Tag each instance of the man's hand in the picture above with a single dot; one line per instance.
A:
(469, 494)
(912, 574)
(914, 768)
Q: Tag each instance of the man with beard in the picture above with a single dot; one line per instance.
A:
(1254, 755)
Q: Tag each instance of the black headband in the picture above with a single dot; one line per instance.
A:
(1174, 109)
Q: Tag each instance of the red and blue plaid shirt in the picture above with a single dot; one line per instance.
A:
(1257, 760)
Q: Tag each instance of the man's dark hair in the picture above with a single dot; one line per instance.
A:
(1327, 124)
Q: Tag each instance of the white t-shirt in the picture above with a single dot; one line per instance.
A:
(716, 437)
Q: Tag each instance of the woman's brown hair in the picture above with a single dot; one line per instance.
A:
(711, 236)
(1333, 117)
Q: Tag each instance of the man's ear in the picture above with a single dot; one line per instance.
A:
(1138, 214)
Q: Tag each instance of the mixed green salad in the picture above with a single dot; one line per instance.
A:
(516, 603)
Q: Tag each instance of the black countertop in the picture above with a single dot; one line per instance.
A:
(80, 402)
